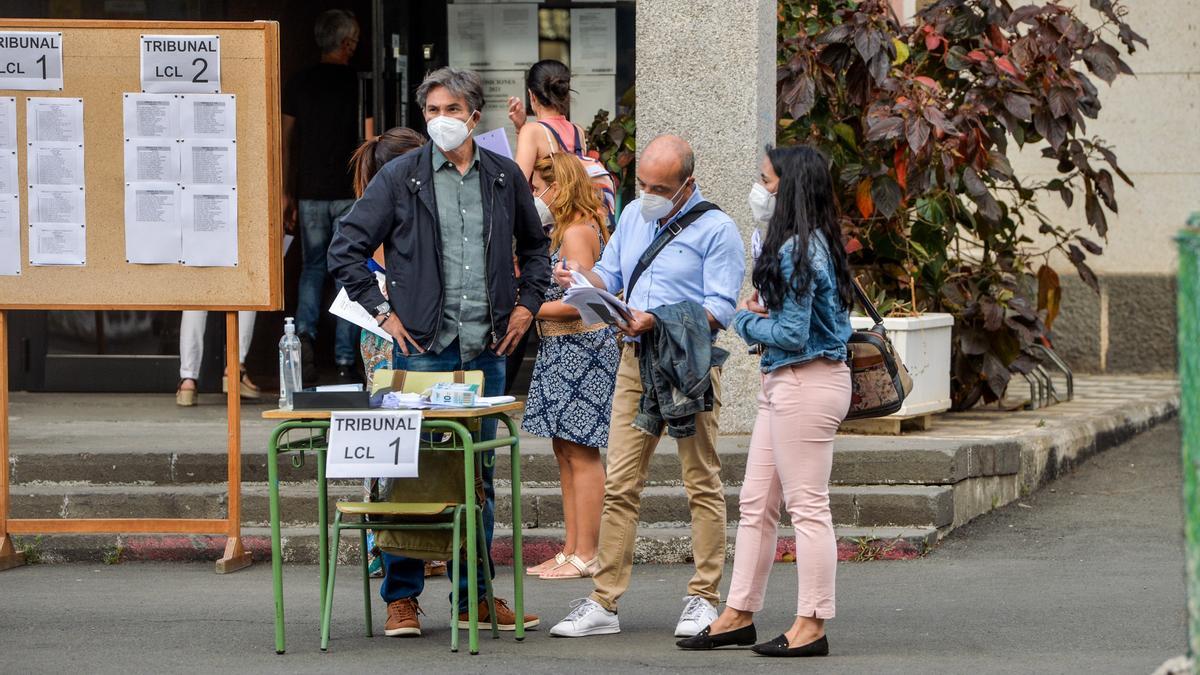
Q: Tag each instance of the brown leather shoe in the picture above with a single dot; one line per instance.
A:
(505, 618)
(402, 618)
(435, 568)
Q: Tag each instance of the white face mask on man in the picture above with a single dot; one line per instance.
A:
(448, 133)
(762, 203)
(656, 207)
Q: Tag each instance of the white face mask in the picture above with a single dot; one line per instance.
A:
(448, 133)
(655, 207)
(543, 212)
(762, 203)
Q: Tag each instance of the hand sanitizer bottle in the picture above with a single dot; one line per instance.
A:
(289, 364)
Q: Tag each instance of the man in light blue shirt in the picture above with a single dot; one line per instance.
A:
(703, 264)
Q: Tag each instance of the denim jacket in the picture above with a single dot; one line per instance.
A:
(810, 327)
(676, 365)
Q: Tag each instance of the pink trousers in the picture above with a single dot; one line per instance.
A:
(791, 454)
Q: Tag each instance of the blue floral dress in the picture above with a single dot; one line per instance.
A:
(570, 396)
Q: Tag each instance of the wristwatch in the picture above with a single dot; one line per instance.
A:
(381, 312)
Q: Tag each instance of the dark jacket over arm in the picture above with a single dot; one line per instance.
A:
(399, 210)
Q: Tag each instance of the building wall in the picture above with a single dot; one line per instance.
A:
(706, 71)
(1150, 120)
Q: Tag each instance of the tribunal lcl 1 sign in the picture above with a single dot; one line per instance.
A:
(373, 444)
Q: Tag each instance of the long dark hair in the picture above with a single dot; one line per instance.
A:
(370, 157)
(804, 205)
(550, 82)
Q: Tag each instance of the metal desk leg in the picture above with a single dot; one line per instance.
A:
(472, 546)
(518, 567)
(322, 523)
(276, 545)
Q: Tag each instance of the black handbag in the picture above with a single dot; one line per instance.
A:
(879, 380)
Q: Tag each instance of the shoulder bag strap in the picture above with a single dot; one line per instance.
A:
(660, 242)
(866, 303)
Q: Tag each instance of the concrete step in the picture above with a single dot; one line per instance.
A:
(858, 460)
(654, 546)
(863, 505)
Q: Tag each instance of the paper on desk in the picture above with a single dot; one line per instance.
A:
(345, 308)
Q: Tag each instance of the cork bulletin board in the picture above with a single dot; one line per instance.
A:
(101, 61)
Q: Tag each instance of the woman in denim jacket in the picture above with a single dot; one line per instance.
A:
(799, 315)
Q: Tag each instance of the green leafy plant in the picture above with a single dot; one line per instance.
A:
(32, 549)
(614, 142)
(919, 121)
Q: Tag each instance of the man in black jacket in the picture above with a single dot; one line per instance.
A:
(449, 216)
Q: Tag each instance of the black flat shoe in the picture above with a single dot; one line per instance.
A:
(746, 635)
(779, 647)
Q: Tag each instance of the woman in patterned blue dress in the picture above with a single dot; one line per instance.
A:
(570, 397)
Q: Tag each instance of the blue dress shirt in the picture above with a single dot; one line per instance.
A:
(704, 264)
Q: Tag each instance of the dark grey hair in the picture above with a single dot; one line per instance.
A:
(333, 27)
(465, 84)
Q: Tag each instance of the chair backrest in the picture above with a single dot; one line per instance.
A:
(416, 382)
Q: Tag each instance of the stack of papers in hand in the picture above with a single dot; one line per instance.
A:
(596, 305)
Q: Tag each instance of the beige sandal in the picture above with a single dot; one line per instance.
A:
(574, 568)
(185, 398)
(546, 565)
(248, 391)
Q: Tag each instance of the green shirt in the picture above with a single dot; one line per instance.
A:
(465, 312)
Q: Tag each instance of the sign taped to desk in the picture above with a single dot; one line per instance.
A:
(373, 444)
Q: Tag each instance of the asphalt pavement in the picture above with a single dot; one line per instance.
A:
(1086, 575)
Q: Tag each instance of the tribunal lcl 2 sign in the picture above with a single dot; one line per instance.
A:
(181, 64)
(373, 444)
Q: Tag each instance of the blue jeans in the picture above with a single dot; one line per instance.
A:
(405, 577)
(319, 219)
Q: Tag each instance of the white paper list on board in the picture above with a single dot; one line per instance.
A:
(151, 116)
(54, 120)
(208, 116)
(151, 159)
(10, 235)
(52, 204)
(56, 164)
(153, 233)
(57, 244)
(209, 163)
(8, 122)
(209, 218)
(8, 172)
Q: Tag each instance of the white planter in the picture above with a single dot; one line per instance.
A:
(923, 344)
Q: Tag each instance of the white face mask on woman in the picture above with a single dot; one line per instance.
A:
(655, 207)
(762, 203)
(448, 133)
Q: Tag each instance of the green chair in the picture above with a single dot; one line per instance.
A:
(446, 511)
(437, 516)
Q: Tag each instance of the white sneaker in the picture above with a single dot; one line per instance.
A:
(587, 617)
(697, 614)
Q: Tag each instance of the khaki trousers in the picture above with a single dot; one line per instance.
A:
(629, 454)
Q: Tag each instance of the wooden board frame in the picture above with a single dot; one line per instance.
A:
(259, 250)
(250, 70)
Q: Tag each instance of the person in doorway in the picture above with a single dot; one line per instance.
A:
(191, 353)
(320, 133)
(700, 267)
(570, 398)
(800, 314)
(449, 216)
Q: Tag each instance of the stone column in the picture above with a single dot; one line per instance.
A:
(706, 71)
